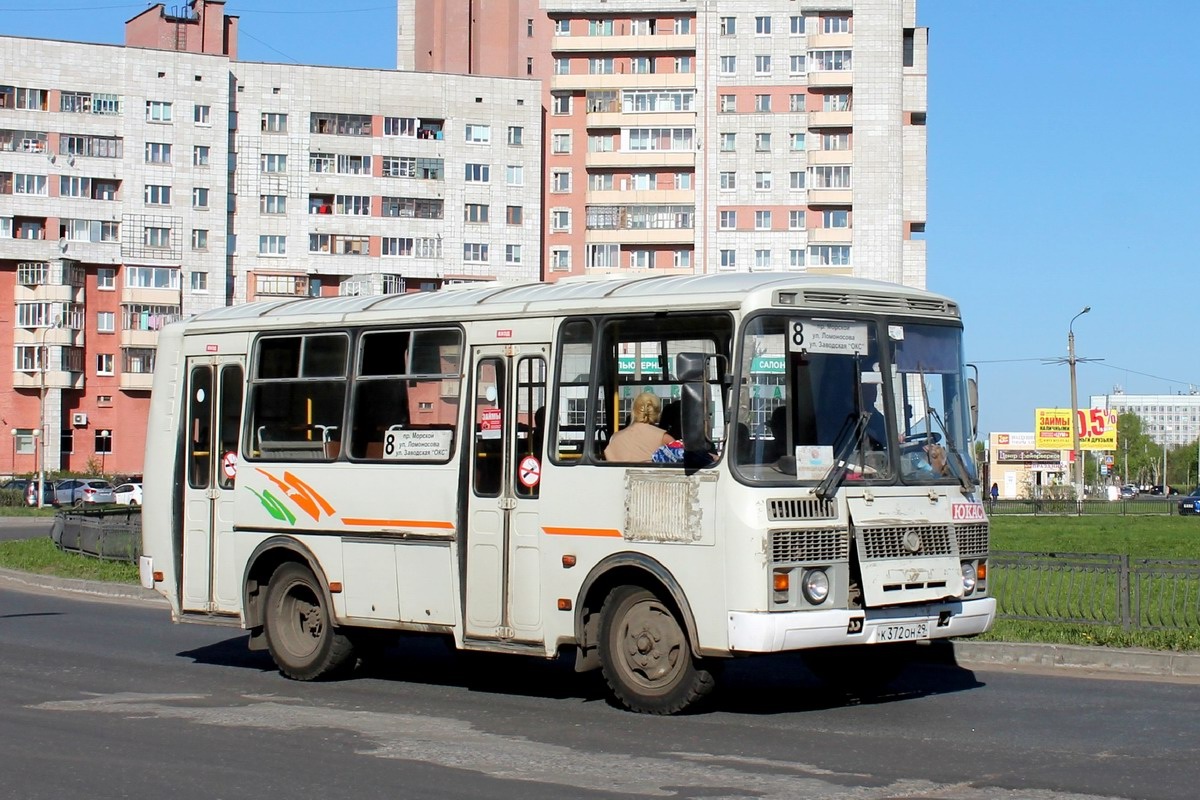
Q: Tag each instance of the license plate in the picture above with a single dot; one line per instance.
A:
(908, 632)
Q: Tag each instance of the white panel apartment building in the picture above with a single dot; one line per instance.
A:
(142, 183)
(708, 135)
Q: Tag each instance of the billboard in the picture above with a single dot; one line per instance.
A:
(1097, 429)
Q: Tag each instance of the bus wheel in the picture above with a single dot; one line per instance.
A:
(645, 655)
(300, 636)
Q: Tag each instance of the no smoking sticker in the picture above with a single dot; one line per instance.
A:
(529, 472)
(229, 464)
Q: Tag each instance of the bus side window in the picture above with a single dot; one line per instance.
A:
(568, 424)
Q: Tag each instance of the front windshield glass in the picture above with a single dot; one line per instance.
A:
(819, 395)
(811, 399)
(931, 403)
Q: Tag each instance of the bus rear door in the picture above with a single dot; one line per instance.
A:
(214, 412)
(503, 562)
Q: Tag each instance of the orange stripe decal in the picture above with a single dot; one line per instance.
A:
(583, 532)
(399, 523)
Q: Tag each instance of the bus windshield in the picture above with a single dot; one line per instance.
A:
(877, 400)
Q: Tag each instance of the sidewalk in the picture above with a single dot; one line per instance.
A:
(1116, 661)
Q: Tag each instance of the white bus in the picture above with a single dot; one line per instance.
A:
(323, 471)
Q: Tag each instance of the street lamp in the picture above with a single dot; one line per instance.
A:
(104, 436)
(14, 451)
(42, 359)
(1075, 404)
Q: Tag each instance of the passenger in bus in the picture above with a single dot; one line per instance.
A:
(876, 424)
(638, 440)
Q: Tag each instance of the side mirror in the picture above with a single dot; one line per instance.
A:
(690, 367)
(973, 401)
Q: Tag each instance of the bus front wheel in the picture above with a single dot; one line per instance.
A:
(300, 635)
(645, 656)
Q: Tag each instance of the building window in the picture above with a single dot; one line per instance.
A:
(560, 259)
(728, 142)
(829, 255)
(728, 65)
(836, 23)
(200, 156)
(796, 65)
(516, 135)
(683, 26)
(796, 142)
(683, 65)
(106, 321)
(104, 442)
(796, 258)
(763, 181)
(830, 177)
(727, 181)
(272, 204)
(514, 175)
(274, 123)
(762, 259)
(762, 142)
(683, 181)
(560, 104)
(797, 25)
(728, 26)
(478, 173)
(796, 220)
(273, 162)
(728, 220)
(835, 102)
(835, 141)
(106, 278)
(728, 259)
(682, 259)
(475, 252)
(512, 254)
(762, 220)
(562, 66)
(762, 26)
(158, 153)
(199, 239)
(158, 111)
(104, 363)
(199, 197)
(560, 143)
(560, 220)
(562, 27)
(796, 180)
(475, 212)
(478, 134)
(200, 115)
(560, 180)
(796, 102)
(514, 215)
(728, 104)
(600, 66)
(156, 237)
(762, 65)
(641, 65)
(272, 245)
(830, 60)
(835, 218)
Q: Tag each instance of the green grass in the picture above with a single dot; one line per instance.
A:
(1140, 537)
(41, 557)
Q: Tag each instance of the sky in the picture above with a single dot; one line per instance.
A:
(1063, 173)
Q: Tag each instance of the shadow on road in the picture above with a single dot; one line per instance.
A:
(774, 684)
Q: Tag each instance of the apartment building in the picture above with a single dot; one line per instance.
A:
(709, 135)
(1170, 419)
(145, 182)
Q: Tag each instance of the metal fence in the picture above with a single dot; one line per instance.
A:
(1096, 589)
(1147, 506)
(112, 534)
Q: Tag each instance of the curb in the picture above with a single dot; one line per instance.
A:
(121, 591)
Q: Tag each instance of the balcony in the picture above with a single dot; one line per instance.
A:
(636, 236)
(624, 80)
(661, 119)
(830, 41)
(830, 197)
(643, 158)
(829, 157)
(139, 338)
(613, 44)
(136, 381)
(643, 197)
(55, 379)
(830, 236)
(154, 297)
(830, 119)
(830, 78)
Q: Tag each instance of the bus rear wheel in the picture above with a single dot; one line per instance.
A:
(300, 635)
(645, 656)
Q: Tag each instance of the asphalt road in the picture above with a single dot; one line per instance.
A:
(101, 699)
(24, 527)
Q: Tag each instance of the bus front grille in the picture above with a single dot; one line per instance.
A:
(905, 541)
(797, 508)
(810, 546)
(972, 539)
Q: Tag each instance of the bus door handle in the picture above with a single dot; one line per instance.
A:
(508, 503)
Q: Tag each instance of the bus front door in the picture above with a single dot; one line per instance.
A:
(214, 414)
(503, 562)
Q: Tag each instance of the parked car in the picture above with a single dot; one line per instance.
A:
(128, 494)
(31, 493)
(15, 484)
(1128, 491)
(91, 491)
(1190, 502)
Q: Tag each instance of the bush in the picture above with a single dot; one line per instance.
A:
(11, 498)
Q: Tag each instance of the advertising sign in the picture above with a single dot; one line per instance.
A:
(1097, 429)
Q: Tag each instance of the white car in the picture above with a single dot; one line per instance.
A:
(128, 494)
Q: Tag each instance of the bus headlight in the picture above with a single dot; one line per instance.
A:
(815, 586)
(968, 576)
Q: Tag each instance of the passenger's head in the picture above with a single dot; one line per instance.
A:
(646, 408)
(779, 422)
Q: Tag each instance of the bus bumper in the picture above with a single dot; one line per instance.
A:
(766, 632)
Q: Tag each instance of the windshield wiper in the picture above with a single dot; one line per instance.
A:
(851, 435)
